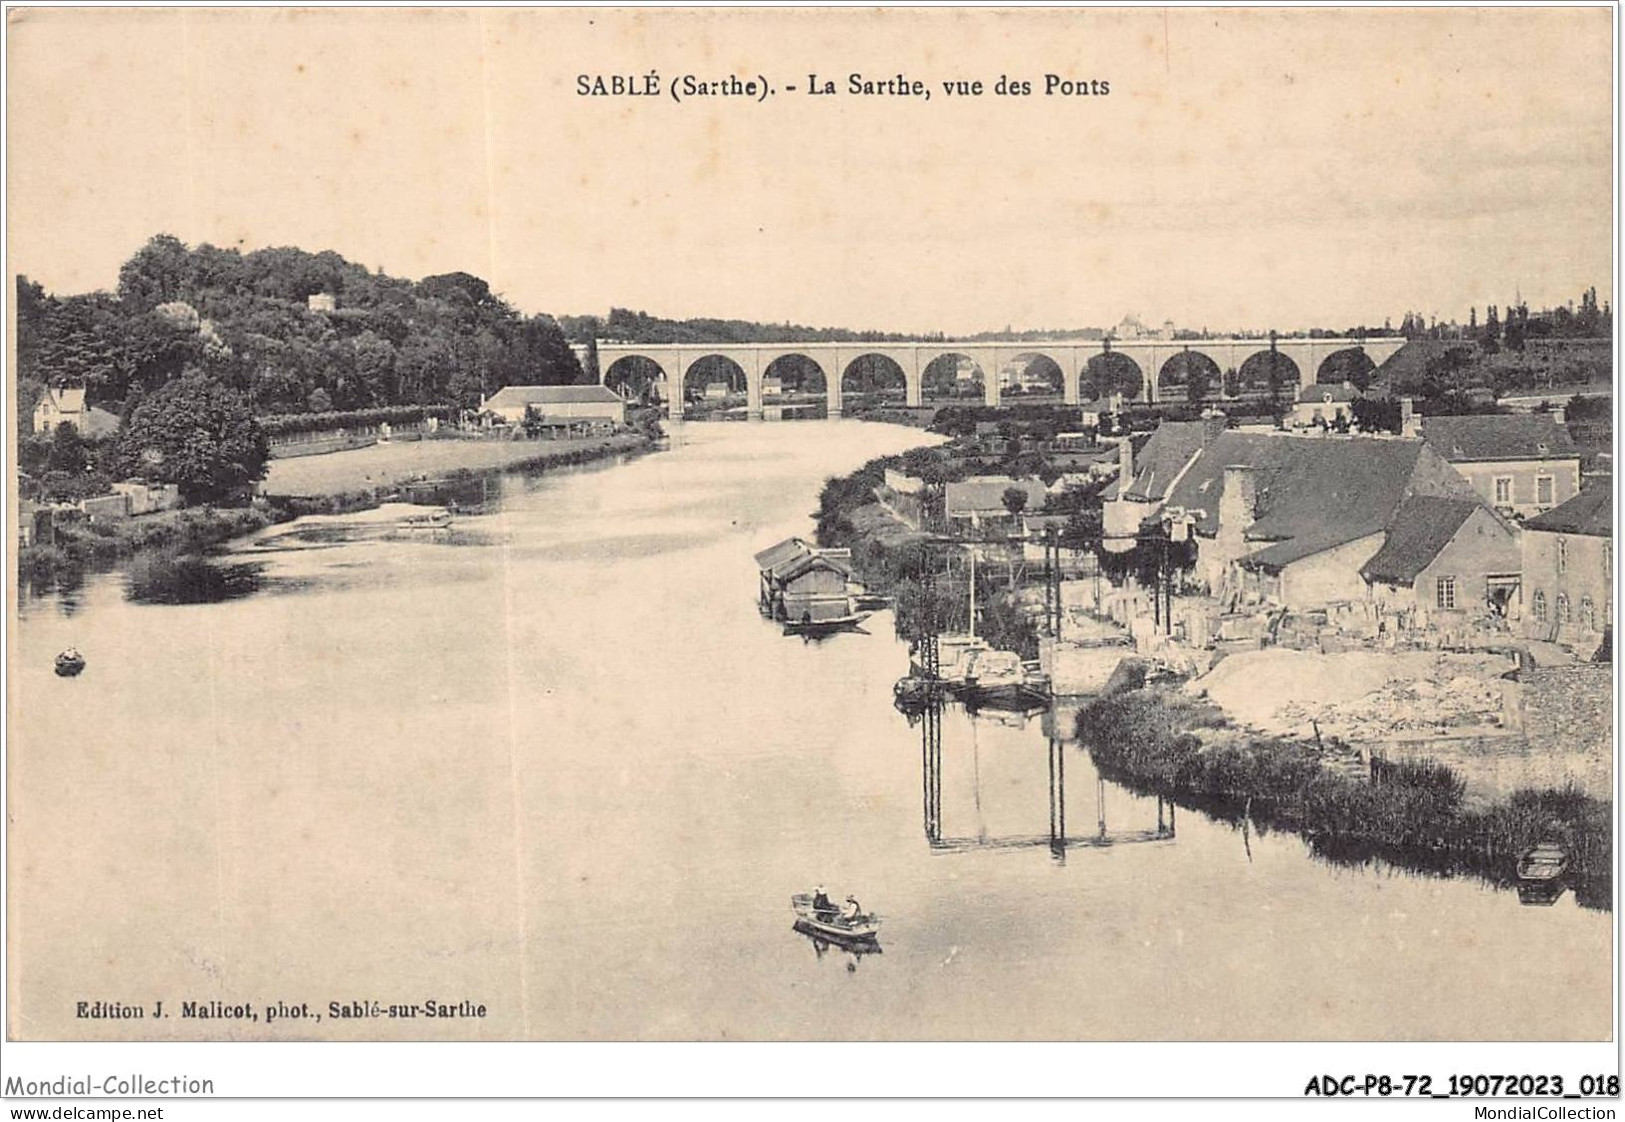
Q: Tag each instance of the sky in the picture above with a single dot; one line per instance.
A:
(1249, 169)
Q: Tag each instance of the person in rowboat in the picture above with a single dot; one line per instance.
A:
(822, 908)
(853, 910)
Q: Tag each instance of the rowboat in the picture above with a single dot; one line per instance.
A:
(69, 663)
(818, 628)
(837, 930)
(1546, 861)
(437, 519)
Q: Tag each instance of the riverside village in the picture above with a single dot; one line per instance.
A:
(1304, 640)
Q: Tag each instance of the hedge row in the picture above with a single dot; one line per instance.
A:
(283, 423)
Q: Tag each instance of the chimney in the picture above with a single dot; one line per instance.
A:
(1214, 422)
(1125, 463)
(1238, 506)
(1409, 423)
(1560, 414)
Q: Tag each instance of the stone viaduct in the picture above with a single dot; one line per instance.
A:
(1153, 362)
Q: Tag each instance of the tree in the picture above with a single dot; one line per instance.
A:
(159, 272)
(197, 434)
(1376, 414)
(544, 354)
(67, 450)
(1015, 500)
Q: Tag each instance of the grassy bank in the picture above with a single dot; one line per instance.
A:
(383, 467)
(1412, 815)
(86, 545)
(336, 486)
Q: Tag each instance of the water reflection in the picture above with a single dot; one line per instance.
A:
(172, 577)
(1057, 841)
(853, 952)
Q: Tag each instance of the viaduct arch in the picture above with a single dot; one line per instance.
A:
(1153, 357)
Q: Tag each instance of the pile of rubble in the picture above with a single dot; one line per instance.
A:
(1361, 696)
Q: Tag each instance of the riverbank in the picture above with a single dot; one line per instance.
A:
(891, 557)
(1411, 814)
(82, 544)
(381, 467)
(339, 481)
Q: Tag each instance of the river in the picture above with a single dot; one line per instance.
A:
(559, 766)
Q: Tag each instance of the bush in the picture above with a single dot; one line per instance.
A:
(1412, 813)
(282, 424)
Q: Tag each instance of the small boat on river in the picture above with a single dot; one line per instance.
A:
(863, 929)
(69, 663)
(811, 591)
(1545, 862)
(819, 628)
(437, 518)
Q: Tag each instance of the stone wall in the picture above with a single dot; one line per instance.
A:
(1567, 713)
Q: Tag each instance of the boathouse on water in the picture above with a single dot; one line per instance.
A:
(802, 582)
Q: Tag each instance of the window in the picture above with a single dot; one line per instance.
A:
(1503, 490)
(1537, 604)
(1543, 490)
(1447, 593)
(1562, 555)
(1588, 614)
(1563, 614)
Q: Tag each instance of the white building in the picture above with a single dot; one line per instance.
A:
(1322, 404)
(67, 406)
(593, 402)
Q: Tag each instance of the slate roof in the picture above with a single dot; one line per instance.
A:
(1279, 555)
(516, 397)
(1591, 513)
(1423, 526)
(1320, 393)
(1160, 460)
(985, 494)
(1491, 436)
(1319, 491)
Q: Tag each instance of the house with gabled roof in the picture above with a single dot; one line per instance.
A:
(1146, 476)
(1519, 463)
(976, 504)
(1447, 555)
(1292, 520)
(66, 405)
